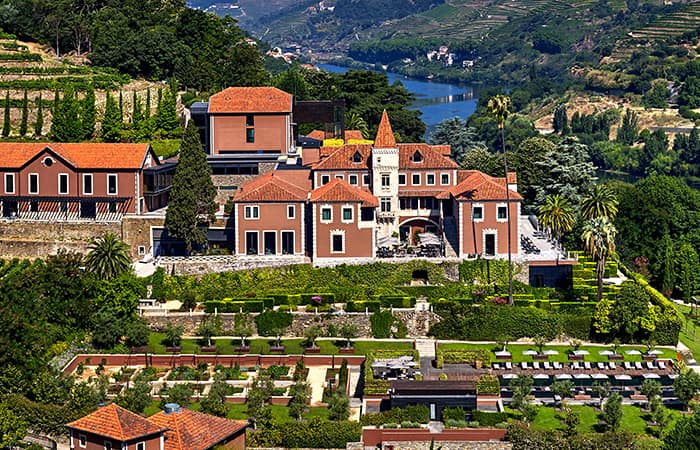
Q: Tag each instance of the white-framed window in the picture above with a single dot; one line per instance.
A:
(9, 183)
(142, 250)
(291, 211)
(82, 440)
(33, 183)
(113, 207)
(141, 446)
(386, 180)
(415, 179)
(252, 212)
(63, 187)
(347, 214)
(87, 184)
(444, 179)
(501, 212)
(112, 182)
(326, 214)
(352, 179)
(478, 213)
(402, 179)
(430, 179)
(340, 177)
(365, 179)
(325, 179)
(108, 445)
(385, 204)
(338, 242)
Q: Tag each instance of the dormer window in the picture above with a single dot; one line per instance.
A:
(357, 158)
(417, 157)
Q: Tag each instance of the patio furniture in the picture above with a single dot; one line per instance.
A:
(496, 366)
(661, 364)
(536, 365)
(575, 365)
(612, 365)
(523, 365)
(547, 366)
(627, 365)
(638, 365)
(601, 366)
(587, 365)
(650, 365)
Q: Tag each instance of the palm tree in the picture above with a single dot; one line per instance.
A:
(108, 257)
(558, 215)
(499, 107)
(601, 203)
(354, 121)
(599, 240)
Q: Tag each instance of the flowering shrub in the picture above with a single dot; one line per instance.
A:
(316, 300)
(500, 301)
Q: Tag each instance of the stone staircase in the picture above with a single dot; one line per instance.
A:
(426, 348)
(451, 238)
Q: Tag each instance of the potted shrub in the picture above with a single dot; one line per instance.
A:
(208, 328)
(348, 331)
(173, 336)
(540, 341)
(311, 334)
(243, 327)
(278, 347)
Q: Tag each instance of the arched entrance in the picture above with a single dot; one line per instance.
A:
(410, 228)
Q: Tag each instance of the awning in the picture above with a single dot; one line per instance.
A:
(387, 241)
(562, 376)
(581, 352)
(651, 375)
(599, 376)
(623, 377)
(633, 352)
(509, 376)
(582, 376)
(550, 352)
(540, 376)
(606, 352)
(529, 352)
(428, 239)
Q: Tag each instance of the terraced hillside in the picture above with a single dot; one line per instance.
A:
(31, 68)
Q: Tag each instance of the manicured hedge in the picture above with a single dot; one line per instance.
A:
(411, 413)
(326, 296)
(371, 306)
(488, 385)
(232, 306)
(396, 301)
(23, 56)
(316, 433)
(464, 356)
(489, 419)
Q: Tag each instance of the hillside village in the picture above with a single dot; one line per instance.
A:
(212, 243)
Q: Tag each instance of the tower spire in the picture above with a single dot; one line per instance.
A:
(385, 135)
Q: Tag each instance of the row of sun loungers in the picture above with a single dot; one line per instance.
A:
(583, 365)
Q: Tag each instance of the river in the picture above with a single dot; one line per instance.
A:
(437, 101)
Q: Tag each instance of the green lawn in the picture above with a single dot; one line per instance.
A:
(690, 332)
(225, 346)
(517, 351)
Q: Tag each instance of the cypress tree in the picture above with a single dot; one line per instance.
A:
(136, 114)
(111, 130)
(66, 125)
(121, 105)
(6, 121)
(192, 195)
(56, 101)
(560, 121)
(166, 115)
(160, 97)
(25, 115)
(147, 108)
(88, 113)
(39, 124)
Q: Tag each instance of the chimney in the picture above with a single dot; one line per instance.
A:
(171, 408)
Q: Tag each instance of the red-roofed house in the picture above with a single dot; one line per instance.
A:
(343, 221)
(112, 427)
(81, 181)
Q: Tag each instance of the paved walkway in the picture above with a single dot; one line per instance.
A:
(317, 379)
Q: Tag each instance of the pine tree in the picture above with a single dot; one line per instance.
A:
(166, 115)
(66, 125)
(192, 195)
(25, 115)
(111, 130)
(87, 113)
(39, 124)
(6, 121)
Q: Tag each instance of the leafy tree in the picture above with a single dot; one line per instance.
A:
(602, 389)
(215, 401)
(612, 411)
(259, 393)
(208, 327)
(348, 331)
(192, 194)
(137, 397)
(562, 388)
(6, 118)
(601, 202)
(602, 321)
(312, 333)
(108, 257)
(651, 389)
(686, 386)
(66, 125)
(107, 329)
(339, 407)
(39, 124)
(629, 129)
(461, 138)
(689, 94)
(560, 120)
(521, 387)
(180, 394)
(657, 95)
(269, 322)
(354, 121)
(667, 274)
(557, 215)
(685, 433)
(120, 295)
(631, 305)
(25, 115)
(687, 270)
(293, 81)
(523, 161)
(136, 332)
(482, 160)
(599, 241)
(83, 399)
(243, 326)
(499, 107)
(12, 428)
(173, 335)
(166, 119)
(299, 392)
(87, 113)
(568, 171)
(571, 421)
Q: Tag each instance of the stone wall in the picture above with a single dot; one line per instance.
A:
(416, 322)
(445, 445)
(24, 239)
(201, 265)
(223, 195)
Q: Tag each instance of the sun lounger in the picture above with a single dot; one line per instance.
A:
(650, 365)
(575, 365)
(601, 366)
(587, 365)
(556, 365)
(536, 365)
(546, 365)
(627, 365)
(496, 366)
(523, 365)
(612, 365)
(638, 366)
(662, 365)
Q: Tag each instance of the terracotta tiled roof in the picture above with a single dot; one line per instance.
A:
(464, 174)
(445, 150)
(512, 178)
(269, 187)
(353, 134)
(479, 186)
(342, 157)
(191, 430)
(251, 100)
(319, 135)
(385, 135)
(338, 190)
(84, 155)
(117, 423)
(432, 158)
(310, 156)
